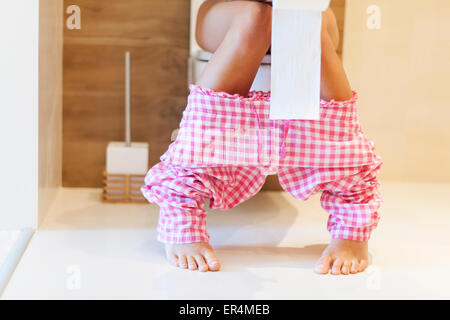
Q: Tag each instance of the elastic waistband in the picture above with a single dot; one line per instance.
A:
(264, 96)
(223, 129)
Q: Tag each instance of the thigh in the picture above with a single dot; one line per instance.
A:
(214, 19)
(238, 33)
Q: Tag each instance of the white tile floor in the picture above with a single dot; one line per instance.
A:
(267, 246)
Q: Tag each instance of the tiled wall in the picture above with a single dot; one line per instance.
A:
(401, 71)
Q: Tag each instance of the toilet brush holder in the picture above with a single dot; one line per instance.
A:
(126, 162)
(122, 188)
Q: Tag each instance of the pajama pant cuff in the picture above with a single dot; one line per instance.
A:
(180, 235)
(351, 233)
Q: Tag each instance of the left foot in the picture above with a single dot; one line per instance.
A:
(343, 257)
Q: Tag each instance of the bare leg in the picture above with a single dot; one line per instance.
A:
(341, 257)
(239, 34)
(334, 82)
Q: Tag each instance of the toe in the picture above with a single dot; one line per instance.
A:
(323, 265)
(337, 266)
(355, 266)
(173, 259)
(363, 265)
(182, 262)
(345, 270)
(211, 260)
(202, 266)
(191, 263)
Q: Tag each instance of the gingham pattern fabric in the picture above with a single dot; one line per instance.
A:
(219, 129)
(227, 145)
(350, 196)
(181, 194)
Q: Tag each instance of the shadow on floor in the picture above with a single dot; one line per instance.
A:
(262, 220)
(239, 258)
(246, 272)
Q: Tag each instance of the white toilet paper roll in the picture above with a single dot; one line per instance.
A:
(296, 59)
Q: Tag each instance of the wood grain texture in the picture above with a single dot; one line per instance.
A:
(157, 34)
(50, 102)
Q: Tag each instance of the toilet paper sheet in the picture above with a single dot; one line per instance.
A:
(296, 59)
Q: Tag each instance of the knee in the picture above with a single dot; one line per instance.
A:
(253, 25)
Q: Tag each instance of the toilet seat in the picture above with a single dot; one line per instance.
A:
(206, 56)
(200, 58)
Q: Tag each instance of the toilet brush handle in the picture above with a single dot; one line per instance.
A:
(128, 99)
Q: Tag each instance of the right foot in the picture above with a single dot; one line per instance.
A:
(193, 256)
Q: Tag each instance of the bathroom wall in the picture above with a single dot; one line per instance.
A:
(401, 72)
(157, 34)
(31, 109)
(50, 102)
(19, 27)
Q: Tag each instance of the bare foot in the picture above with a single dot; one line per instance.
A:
(193, 256)
(343, 257)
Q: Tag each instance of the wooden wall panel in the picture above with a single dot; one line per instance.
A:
(157, 34)
(50, 103)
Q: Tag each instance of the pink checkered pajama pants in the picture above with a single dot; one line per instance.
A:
(227, 145)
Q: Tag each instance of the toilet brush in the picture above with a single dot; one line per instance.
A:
(129, 158)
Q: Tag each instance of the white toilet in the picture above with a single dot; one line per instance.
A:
(199, 58)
